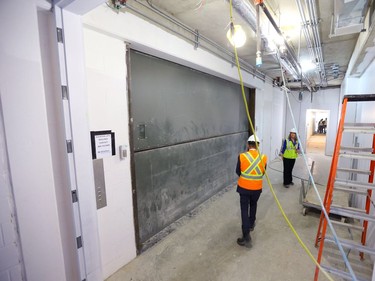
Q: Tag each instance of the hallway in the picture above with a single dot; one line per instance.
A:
(202, 246)
(316, 143)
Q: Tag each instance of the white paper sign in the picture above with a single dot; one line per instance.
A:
(103, 146)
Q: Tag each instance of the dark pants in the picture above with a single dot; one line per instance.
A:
(248, 203)
(288, 168)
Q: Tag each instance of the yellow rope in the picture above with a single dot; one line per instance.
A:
(268, 179)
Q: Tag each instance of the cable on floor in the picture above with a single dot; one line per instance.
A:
(266, 174)
(335, 238)
(269, 166)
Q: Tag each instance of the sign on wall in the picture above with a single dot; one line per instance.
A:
(102, 144)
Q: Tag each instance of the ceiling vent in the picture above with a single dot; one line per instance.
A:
(348, 17)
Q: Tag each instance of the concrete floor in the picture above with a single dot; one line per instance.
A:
(203, 246)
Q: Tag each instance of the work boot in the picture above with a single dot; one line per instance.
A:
(244, 240)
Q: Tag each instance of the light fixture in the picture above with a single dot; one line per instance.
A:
(236, 35)
(307, 66)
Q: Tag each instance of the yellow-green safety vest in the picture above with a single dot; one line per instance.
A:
(290, 150)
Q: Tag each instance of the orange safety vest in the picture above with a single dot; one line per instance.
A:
(252, 170)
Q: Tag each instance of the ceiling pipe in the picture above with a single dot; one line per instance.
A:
(258, 61)
(315, 33)
(248, 13)
(305, 30)
(246, 66)
(253, 71)
(291, 53)
(313, 4)
(314, 38)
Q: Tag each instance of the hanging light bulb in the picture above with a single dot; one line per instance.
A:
(236, 35)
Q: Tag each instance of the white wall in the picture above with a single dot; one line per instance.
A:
(11, 261)
(31, 97)
(324, 100)
(57, 139)
(278, 122)
(310, 120)
(108, 110)
(23, 98)
(269, 112)
(153, 40)
(105, 54)
(33, 131)
(362, 112)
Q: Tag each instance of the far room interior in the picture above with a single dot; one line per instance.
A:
(316, 130)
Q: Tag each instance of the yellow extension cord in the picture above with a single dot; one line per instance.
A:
(268, 179)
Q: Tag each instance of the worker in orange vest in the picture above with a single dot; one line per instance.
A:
(250, 169)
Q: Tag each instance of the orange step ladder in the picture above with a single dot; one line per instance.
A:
(349, 186)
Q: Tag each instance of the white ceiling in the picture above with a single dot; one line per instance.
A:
(211, 18)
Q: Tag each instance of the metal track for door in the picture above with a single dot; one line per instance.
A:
(65, 103)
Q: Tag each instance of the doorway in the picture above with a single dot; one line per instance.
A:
(316, 130)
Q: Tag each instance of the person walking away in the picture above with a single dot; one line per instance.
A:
(289, 152)
(320, 126)
(250, 169)
(324, 126)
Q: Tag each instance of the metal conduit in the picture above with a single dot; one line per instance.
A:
(319, 42)
(150, 19)
(313, 23)
(305, 29)
(311, 7)
(181, 24)
(313, 40)
(247, 12)
(294, 62)
(246, 66)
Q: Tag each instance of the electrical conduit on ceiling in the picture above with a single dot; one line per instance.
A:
(247, 12)
(313, 40)
(246, 66)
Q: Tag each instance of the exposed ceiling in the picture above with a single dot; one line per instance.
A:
(337, 24)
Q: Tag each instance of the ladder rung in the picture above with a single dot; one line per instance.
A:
(351, 245)
(359, 125)
(348, 225)
(364, 128)
(340, 273)
(354, 148)
(354, 171)
(349, 209)
(352, 213)
(358, 156)
(351, 190)
(359, 97)
(342, 182)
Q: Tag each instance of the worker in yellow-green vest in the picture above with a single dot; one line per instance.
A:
(289, 153)
(250, 169)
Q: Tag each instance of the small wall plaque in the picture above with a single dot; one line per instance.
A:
(102, 144)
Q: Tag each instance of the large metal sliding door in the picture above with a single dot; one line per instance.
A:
(188, 128)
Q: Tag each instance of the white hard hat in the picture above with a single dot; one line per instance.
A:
(293, 130)
(253, 139)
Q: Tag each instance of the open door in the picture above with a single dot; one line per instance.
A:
(316, 130)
